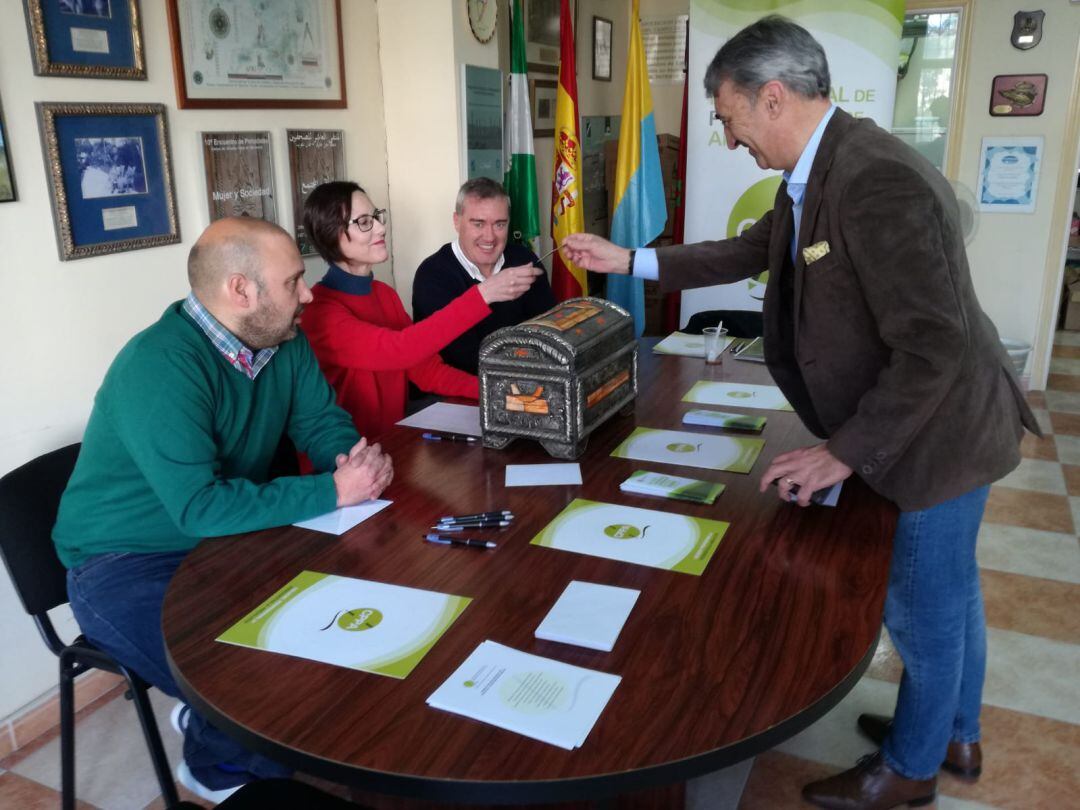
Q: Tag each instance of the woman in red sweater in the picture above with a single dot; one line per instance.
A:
(367, 346)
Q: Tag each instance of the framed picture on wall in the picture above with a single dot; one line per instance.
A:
(255, 54)
(543, 93)
(542, 30)
(7, 173)
(316, 156)
(110, 177)
(1018, 94)
(89, 39)
(239, 175)
(601, 49)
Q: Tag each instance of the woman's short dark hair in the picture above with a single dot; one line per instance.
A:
(326, 216)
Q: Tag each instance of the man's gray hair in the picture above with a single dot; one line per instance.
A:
(773, 48)
(480, 188)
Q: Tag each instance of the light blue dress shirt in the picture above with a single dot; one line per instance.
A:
(646, 265)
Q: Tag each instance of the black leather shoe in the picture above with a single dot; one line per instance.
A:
(962, 760)
(870, 785)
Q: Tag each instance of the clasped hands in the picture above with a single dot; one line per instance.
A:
(362, 474)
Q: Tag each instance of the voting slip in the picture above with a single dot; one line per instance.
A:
(720, 419)
(536, 697)
(661, 485)
(686, 345)
(540, 475)
(745, 395)
(341, 520)
(588, 615)
(640, 536)
(446, 417)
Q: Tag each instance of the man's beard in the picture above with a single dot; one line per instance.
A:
(263, 328)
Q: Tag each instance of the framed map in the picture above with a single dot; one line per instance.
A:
(257, 53)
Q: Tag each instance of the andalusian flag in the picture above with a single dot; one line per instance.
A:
(640, 208)
(520, 178)
(567, 279)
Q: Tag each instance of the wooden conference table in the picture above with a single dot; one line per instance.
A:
(714, 669)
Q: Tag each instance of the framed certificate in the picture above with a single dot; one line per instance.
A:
(1009, 174)
(110, 177)
(89, 39)
(254, 53)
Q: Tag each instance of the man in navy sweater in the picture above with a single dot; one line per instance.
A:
(482, 222)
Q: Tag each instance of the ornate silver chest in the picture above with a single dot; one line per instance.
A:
(558, 377)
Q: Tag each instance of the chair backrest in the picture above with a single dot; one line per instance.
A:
(29, 498)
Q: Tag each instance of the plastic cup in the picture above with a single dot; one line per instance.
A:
(714, 344)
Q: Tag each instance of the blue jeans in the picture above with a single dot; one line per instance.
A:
(117, 601)
(934, 613)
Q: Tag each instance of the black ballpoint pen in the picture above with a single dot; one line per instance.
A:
(501, 514)
(479, 524)
(459, 541)
(450, 437)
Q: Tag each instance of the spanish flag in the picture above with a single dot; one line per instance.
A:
(640, 207)
(567, 214)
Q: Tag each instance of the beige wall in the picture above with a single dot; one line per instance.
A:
(66, 320)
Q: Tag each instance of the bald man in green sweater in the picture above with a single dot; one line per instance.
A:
(178, 447)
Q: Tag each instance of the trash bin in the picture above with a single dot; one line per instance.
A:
(1018, 352)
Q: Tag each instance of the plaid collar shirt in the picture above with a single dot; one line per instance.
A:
(239, 356)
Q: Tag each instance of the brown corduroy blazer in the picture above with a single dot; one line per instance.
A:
(889, 357)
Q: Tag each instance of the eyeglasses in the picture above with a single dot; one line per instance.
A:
(364, 222)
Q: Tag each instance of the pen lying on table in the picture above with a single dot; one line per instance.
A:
(498, 514)
(449, 437)
(459, 541)
(476, 524)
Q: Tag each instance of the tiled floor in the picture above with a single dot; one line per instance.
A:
(1029, 553)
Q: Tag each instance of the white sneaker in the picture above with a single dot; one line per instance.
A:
(178, 717)
(186, 778)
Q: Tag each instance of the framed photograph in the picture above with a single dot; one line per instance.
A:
(239, 175)
(542, 31)
(255, 54)
(110, 177)
(7, 173)
(483, 121)
(88, 39)
(1009, 174)
(601, 49)
(316, 156)
(544, 93)
(1018, 94)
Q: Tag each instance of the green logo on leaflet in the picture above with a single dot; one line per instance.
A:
(359, 619)
(623, 531)
(470, 684)
(683, 447)
(748, 209)
(740, 394)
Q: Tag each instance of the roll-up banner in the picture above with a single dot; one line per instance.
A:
(725, 191)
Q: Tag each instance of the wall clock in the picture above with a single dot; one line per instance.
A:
(483, 15)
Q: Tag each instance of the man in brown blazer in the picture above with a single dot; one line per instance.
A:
(874, 334)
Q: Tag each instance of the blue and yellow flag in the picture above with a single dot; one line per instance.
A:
(640, 207)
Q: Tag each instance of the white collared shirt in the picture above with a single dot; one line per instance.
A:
(471, 268)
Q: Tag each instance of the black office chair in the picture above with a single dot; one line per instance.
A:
(740, 323)
(29, 498)
(278, 794)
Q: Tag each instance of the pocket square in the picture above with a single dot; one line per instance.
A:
(818, 250)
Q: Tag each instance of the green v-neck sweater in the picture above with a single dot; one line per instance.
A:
(179, 444)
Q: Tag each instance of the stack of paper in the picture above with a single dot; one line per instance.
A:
(731, 453)
(446, 417)
(732, 421)
(641, 536)
(642, 482)
(686, 345)
(588, 615)
(537, 697)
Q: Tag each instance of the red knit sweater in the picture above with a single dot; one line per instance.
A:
(368, 348)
